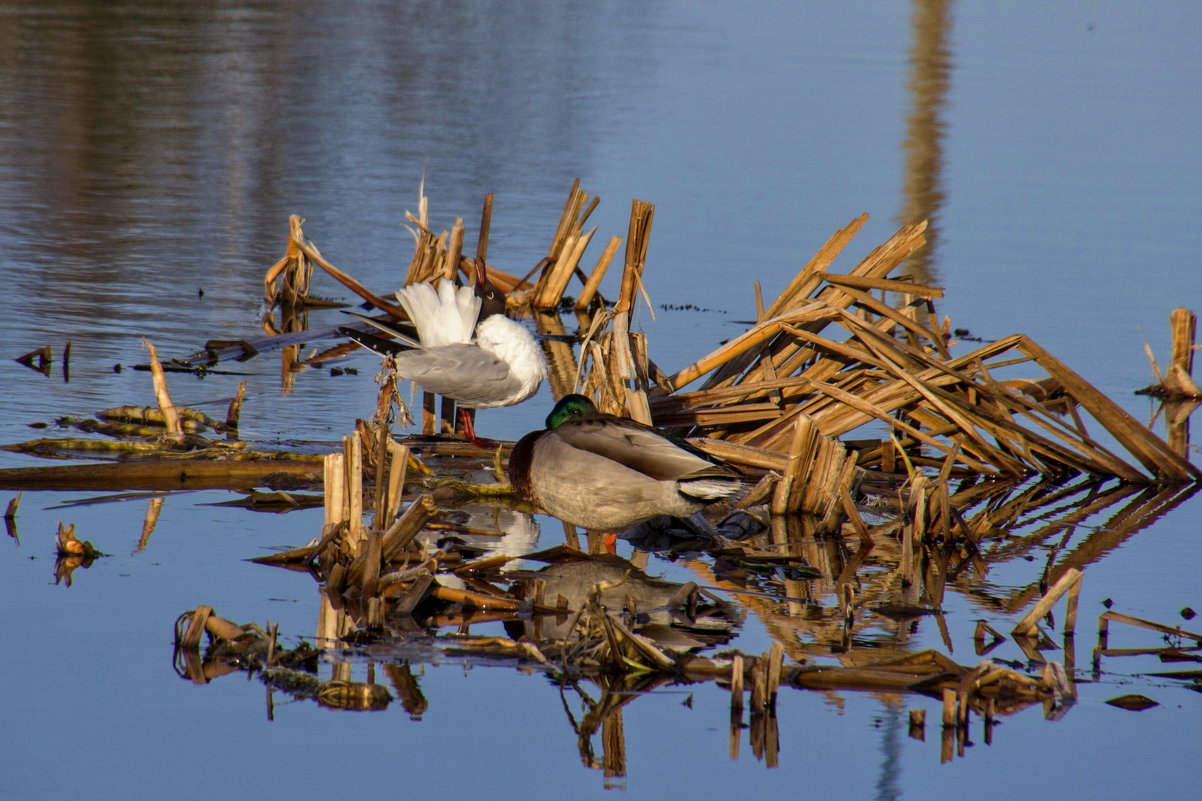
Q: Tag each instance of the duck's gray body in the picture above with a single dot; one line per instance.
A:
(607, 473)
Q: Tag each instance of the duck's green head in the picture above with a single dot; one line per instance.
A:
(569, 407)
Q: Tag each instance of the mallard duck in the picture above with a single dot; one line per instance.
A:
(606, 473)
(466, 348)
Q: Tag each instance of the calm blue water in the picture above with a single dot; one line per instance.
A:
(148, 152)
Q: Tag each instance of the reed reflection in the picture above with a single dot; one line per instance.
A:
(605, 634)
(930, 78)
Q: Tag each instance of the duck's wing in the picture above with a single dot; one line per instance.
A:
(638, 448)
(471, 376)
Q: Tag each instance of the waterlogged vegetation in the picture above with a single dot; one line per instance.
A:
(894, 465)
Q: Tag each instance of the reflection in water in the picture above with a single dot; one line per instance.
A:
(138, 136)
(888, 786)
(1177, 414)
(846, 630)
(930, 77)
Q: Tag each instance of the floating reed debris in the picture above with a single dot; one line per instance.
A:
(567, 247)
(204, 472)
(1176, 382)
(71, 553)
(800, 400)
(893, 365)
(67, 544)
(39, 359)
(1175, 632)
(1069, 582)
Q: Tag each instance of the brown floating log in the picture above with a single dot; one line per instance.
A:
(159, 474)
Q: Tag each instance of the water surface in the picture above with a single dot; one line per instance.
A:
(151, 152)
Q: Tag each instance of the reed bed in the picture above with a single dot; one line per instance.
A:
(888, 459)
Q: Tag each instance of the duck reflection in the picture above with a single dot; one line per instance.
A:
(675, 616)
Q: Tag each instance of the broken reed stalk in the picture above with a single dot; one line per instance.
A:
(618, 367)
(1149, 449)
(594, 280)
(1178, 379)
(807, 286)
(485, 226)
(559, 272)
(944, 396)
(398, 536)
(234, 413)
(572, 221)
(884, 284)
(561, 357)
(450, 267)
(44, 357)
(398, 464)
(627, 385)
(350, 283)
(201, 620)
(289, 271)
(164, 397)
(352, 447)
(1118, 617)
(153, 510)
(736, 702)
(10, 512)
(429, 251)
(1069, 581)
(746, 342)
(566, 248)
(800, 458)
(638, 236)
(334, 482)
(804, 283)
(775, 658)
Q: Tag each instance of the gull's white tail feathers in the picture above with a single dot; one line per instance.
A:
(445, 317)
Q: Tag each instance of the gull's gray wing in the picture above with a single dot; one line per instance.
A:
(471, 376)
